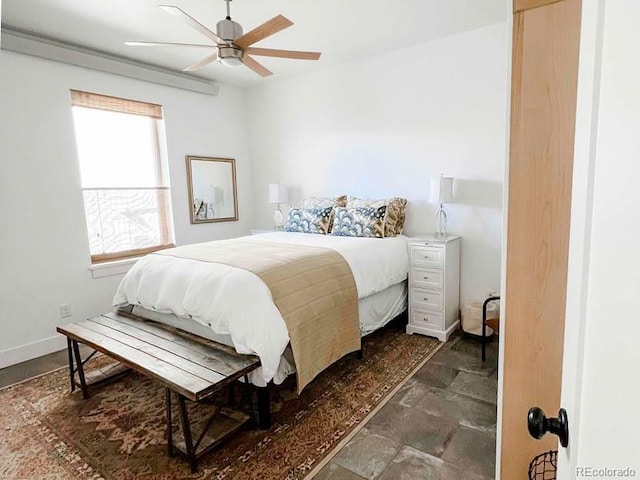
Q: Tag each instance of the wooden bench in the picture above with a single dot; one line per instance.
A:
(190, 367)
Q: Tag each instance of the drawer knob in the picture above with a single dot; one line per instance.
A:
(426, 256)
(426, 319)
(426, 278)
(426, 299)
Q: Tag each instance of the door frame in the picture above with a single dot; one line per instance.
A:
(505, 224)
(585, 150)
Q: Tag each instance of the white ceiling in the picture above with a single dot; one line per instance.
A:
(343, 30)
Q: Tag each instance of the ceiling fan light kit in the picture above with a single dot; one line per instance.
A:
(232, 47)
(230, 56)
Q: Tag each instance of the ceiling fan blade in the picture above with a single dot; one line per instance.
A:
(255, 66)
(202, 63)
(269, 52)
(162, 44)
(265, 30)
(192, 22)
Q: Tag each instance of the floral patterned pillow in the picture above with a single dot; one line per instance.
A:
(359, 222)
(395, 213)
(399, 205)
(323, 202)
(309, 220)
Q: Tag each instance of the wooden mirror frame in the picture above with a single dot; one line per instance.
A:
(195, 214)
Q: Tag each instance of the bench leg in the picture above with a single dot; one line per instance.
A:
(169, 424)
(80, 369)
(186, 431)
(261, 401)
(231, 395)
(71, 366)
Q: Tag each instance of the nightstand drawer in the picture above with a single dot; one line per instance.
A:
(426, 278)
(426, 256)
(425, 300)
(426, 319)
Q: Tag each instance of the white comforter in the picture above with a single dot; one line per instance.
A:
(237, 303)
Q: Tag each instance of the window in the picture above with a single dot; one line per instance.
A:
(124, 176)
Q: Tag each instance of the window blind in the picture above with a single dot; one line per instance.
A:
(115, 104)
(127, 202)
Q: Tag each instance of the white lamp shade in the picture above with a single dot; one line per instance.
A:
(441, 190)
(277, 193)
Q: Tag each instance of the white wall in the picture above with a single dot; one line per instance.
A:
(608, 420)
(373, 128)
(44, 252)
(384, 125)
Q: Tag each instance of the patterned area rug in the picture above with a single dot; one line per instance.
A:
(46, 432)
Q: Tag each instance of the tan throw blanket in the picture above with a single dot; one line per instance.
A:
(313, 287)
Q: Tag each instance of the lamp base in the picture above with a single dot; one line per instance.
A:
(441, 223)
(278, 219)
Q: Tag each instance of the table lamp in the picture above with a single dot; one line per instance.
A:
(278, 195)
(441, 193)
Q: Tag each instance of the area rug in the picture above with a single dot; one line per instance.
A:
(46, 432)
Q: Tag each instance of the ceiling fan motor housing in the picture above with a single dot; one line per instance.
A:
(229, 55)
(229, 30)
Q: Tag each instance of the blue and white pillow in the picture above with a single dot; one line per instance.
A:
(394, 218)
(309, 220)
(359, 222)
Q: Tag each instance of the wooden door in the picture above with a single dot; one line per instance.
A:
(546, 37)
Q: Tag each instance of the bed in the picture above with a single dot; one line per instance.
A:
(233, 306)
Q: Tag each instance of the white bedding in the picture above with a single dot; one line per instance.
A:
(375, 311)
(235, 302)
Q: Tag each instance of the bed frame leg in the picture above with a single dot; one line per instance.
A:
(261, 401)
(360, 354)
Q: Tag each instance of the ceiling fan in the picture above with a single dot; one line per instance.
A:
(232, 46)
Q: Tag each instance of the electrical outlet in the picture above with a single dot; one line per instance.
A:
(65, 310)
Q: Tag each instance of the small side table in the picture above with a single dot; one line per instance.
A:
(434, 285)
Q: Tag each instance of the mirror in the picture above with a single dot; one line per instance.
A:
(212, 189)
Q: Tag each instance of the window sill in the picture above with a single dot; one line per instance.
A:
(108, 269)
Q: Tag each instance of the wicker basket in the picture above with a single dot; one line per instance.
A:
(544, 466)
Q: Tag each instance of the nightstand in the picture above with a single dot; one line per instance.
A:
(434, 285)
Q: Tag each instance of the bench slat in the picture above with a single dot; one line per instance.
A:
(188, 385)
(200, 358)
(222, 361)
(187, 339)
(163, 355)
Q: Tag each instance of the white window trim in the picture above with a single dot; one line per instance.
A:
(109, 269)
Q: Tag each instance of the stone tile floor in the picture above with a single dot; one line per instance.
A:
(441, 425)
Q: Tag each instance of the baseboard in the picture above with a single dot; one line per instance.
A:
(32, 350)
